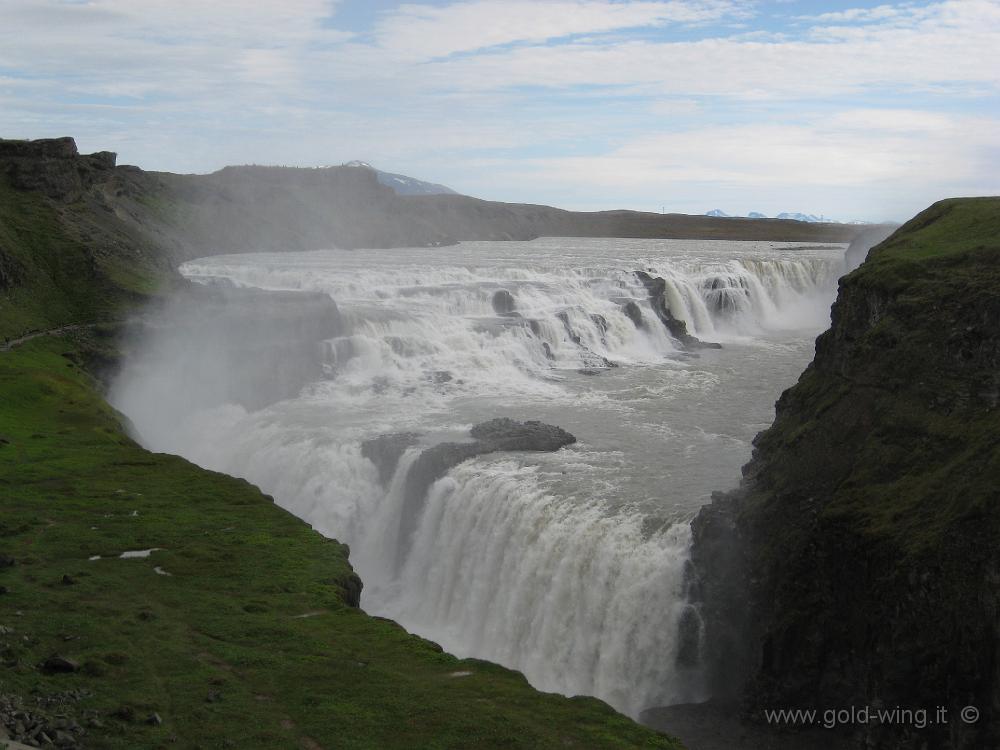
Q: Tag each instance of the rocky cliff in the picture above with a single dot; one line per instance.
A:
(857, 564)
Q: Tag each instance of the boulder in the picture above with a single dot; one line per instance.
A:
(503, 434)
(503, 303)
(59, 664)
(500, 434)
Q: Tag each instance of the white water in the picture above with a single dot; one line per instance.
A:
(567, 566)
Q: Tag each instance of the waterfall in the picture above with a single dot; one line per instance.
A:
(571, 566)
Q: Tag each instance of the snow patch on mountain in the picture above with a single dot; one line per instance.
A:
(402, 184)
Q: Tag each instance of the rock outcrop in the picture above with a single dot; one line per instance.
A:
(488, 437)
(857, 564)
(385, 451)
(53, 166)
(503, 303)
(677, 328)
(501, 434)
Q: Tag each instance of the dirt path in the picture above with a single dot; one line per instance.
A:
(10, 344)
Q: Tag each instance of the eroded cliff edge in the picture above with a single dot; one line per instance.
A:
(857, 564)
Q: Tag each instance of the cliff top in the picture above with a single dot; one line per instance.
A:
(941, 236)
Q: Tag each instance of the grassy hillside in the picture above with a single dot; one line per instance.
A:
(66, 264)
(245, 640)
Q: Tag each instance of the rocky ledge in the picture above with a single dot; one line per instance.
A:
(656, 287)
(856, 566)
(501, 434)
(53, 166)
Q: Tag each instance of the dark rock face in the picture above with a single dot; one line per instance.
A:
(591, 359)
(11, 271)
(857, 563)
(53, 166)
(385, 451)
(633, 313)
(573, 335)
(503, 303)
(352, 590)
(43, 148)
(500, 434)
(503, 434)
(657, 287)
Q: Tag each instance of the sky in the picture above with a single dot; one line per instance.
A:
(850, 109)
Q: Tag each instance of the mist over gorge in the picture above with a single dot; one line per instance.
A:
(488, 558)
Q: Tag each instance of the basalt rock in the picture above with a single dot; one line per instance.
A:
(857, 564)
(500, 434)
(573, 335)
(352, 586)
(53, 166)
(385, 451)
(503, 434)
(503, 303)
(657, 289)
(634, 313)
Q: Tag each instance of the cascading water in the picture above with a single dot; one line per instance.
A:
(568, 566)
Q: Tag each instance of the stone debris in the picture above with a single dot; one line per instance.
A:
(52, 721)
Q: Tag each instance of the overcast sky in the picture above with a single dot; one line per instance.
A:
(851, 109)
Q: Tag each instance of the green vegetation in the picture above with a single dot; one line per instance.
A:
(247, 642)
(59, 265)
(903, 388)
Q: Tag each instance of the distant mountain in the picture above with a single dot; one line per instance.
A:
(718, 213)
(403, 185)
(811, 218)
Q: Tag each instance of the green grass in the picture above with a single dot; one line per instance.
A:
(74, 265)
(73, 485)
(944, 237)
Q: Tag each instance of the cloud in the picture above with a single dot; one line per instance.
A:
(950, 43)
(907, 157)
(845, 150)
(427, 32)
(867, 15)
(126, 48)
(619, 97)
